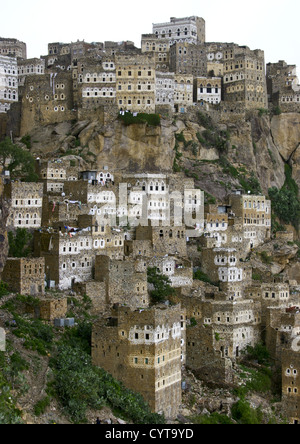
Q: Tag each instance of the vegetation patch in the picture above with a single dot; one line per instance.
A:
(129, 119)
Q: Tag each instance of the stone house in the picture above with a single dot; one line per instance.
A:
(255, 213)
(184, 92)
(290, 385)
(125, 282)
(161, 49)
(13, 48)
(135, 82)
(25, 276)
(30, 67)
(208, 89)
(164, 240)
(143, 349)
(70, 254)
(8, 82)
(26, 204)
(283, 86)
(186, 29)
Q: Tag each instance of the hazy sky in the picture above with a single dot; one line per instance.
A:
(270, 25)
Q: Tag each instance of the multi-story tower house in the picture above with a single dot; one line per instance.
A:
(160, 48)
(8, 82)
(165, 89)
(98, 83)
(26, 204)
(188, 58)
(47, 99)
(30, 67)
(70, 255)
(223, 264)
(135, 78)
(255, 214)
(25, 275)
(244, 77)
(235, 324)
(13, 48)
(283, 86)
(183, 94)
(143, 350)
(187, 29)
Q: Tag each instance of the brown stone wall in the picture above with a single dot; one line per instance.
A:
(25, 275)
(143, 350)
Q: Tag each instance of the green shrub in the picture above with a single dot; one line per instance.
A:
(19, 243)
(162, 288)
(141, 118)
(3, 289)
(40, 406)
(80, 386)
(212, 419)
(259, 353)
(243, 413)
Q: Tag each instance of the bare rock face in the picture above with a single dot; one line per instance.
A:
(286, 134)
(133, 148)
(285, 130)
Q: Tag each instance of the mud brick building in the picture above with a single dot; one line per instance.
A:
(183, 92)
(224, 330)
(49, 308)
(189, 59)
(26, 204)
(223, 264)
(282, 330)
(143, 350)
(4, 211)
(25, 275)
(165, 86)
(179, 271)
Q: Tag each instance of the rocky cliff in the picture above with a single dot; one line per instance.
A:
(260, 144)
(221, 153)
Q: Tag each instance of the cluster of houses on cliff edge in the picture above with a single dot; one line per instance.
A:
(90, 240)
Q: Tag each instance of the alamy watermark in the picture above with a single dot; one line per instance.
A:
(2, 340)
(136, 207)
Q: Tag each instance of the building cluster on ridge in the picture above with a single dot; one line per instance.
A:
(98, 239)
(175, 67)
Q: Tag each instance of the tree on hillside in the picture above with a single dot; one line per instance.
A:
(19, 243)
(161, 286)
(18, 161)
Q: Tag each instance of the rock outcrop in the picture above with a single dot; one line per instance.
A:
(260, 144)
